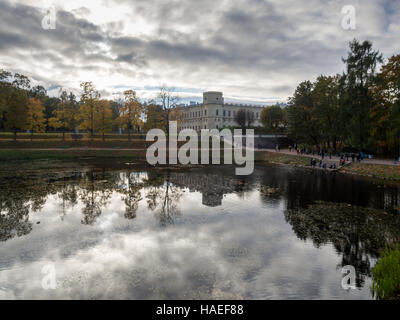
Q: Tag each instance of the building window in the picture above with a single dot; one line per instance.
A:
(205, 112)
(229, 113)
(216, 112)
(224, 113)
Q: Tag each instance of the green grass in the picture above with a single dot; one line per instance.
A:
(379, 171)
(46, 144)
(68, 155)
(281, 158)
(56, 136)
(386, 275)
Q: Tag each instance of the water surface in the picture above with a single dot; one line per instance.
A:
(201, 233)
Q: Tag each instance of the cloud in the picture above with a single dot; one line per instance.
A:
(254, 50)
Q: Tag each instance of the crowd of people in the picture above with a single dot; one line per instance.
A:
(344, 157)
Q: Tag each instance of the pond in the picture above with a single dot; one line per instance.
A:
(199, 233)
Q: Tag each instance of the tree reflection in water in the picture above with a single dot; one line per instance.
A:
(132, 195)
(163, 197)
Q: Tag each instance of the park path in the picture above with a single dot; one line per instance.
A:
(335, 159)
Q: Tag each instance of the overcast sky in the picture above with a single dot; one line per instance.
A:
(252, 50)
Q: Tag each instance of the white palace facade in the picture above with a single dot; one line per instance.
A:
(213, 113)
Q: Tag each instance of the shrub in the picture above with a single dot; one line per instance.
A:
(386, 275)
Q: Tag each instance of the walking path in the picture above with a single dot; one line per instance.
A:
(335, 159)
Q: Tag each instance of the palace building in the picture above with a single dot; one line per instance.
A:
(213, 113)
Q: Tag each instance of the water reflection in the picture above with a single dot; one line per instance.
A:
(199, 233)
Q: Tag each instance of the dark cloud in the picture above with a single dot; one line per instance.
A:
(250, 48)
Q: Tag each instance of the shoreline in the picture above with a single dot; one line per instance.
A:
(128, 157)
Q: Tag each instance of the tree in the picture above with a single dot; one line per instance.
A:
(116, 106)
(103, 117)
(240, 118)
(130, 113)
(154, 117)
(4, 91)
(244, 118)
(35, 117)
(303, 124)
(168, 101)
(249, 118)
(73, 108)
(89, 99)
(62, 114)
(327, 108)
(38, 92)
(132, 196)
(272, 118)
(360, 64)
(385, 111)
(50, 106)
(21, 82)
(16, 110)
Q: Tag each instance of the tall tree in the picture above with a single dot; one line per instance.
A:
(272, 118)
(303, 124)
(38, 92)
(116, 106)
(240, 118)
(130, 113)
(89, 99)
(154, 117)
(62, 114)
(327, 108)
(385, 111)
(73, 107)
(361, 63)
(35, 117)
(16, 110)
(21, 82)
(168, 101)
(5, 86)
(103, 117)
(50, 106)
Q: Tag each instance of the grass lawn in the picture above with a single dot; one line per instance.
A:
(45, 144)
(14, 155)
(276, 157)
(380, 171)
(58, 136)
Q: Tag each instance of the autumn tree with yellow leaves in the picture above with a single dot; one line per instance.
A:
(103, 117)
(385, 112)
(88, 110)
(62, 115)
(130, 113)
(35, 120)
